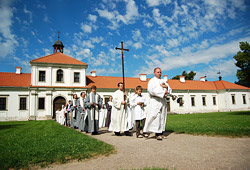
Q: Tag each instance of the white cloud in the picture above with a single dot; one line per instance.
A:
(172, 43)
(203, 56)
(137, 45)
(115, 17)
(136, 35)
(46, 51)
(226, 67)
(29, 13)
(86, 28)
(46, 18)
(83, 54)
(92, 18)
(153, 3)
(147, 23)
(8, 40)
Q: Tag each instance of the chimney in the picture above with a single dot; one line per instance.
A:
(165, 78)
(203, 78)
(143, 77)
(93, 73)
(18, 70)
(182, 79)
(220, 78)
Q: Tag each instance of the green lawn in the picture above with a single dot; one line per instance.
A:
(235, 124)
(29, 143)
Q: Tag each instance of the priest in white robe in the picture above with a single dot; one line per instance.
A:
(157, 111)
(119, 117)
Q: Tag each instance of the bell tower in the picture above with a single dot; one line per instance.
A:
(58, 45)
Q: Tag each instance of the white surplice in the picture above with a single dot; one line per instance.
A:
(157, 111)
(139, 112)
(119, 121)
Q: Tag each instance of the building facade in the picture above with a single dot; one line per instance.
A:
(55, 78)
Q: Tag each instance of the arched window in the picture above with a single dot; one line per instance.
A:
(59, 75)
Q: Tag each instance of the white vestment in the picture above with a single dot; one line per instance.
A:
(157, 111)
(130, 111)
(139, 112)
(102, 116)
(119, 121)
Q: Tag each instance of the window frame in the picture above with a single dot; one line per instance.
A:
(214, 100)
(22, 97)
(233, 99)
(181, 105)
(44, 76)
(57, 76)
(6, 103)
(192, 101)
(244, 99)
(203, 99)
(78, 77)
(38, 103)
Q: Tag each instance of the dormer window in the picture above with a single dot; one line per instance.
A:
(59, 76)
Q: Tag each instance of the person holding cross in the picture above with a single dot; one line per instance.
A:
(119, 117)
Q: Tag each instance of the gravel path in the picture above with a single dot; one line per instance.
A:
(178, 151)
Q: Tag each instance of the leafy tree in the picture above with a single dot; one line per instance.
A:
(188, 76)
(243, 62)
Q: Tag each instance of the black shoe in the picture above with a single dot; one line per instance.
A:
(94, 133)
(127, 133)
(118, 134)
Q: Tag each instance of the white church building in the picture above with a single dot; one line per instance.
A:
(56, 77)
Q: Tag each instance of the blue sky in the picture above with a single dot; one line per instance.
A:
(201, 35)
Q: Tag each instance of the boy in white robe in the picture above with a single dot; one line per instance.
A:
(139, 104)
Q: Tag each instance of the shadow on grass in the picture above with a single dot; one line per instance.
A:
(240, 113)
(2, 127)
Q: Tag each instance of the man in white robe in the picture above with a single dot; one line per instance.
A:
(157, 111)
(119, 117)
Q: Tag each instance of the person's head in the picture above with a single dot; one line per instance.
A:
(93, 89)
(69, 101)
(74, 96)
(83, 94)
(139, 90)
(110, 98)
(120, 86)
(157, 72)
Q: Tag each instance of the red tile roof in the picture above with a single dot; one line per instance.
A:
(15, 80)
(58, 58)
(24, 80)
(131, 83)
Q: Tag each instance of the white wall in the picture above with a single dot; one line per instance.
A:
(50, 76)
(12, 104)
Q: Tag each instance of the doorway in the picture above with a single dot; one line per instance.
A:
(57, 104)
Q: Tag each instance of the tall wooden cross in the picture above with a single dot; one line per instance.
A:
(122, 64)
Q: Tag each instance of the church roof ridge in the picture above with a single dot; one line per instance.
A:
(58, 58)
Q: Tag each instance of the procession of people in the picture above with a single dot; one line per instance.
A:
(123, 113)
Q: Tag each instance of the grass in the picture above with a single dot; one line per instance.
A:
(32, 143)
(234, 124)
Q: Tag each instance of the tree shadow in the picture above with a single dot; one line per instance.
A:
(2, 127)
(240, 113)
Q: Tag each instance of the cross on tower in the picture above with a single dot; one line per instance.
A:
(122, 64)
(58, 34)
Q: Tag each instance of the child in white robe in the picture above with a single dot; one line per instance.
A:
(139, 104)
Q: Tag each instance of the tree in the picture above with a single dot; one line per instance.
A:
(188, 76)
(243, 62)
